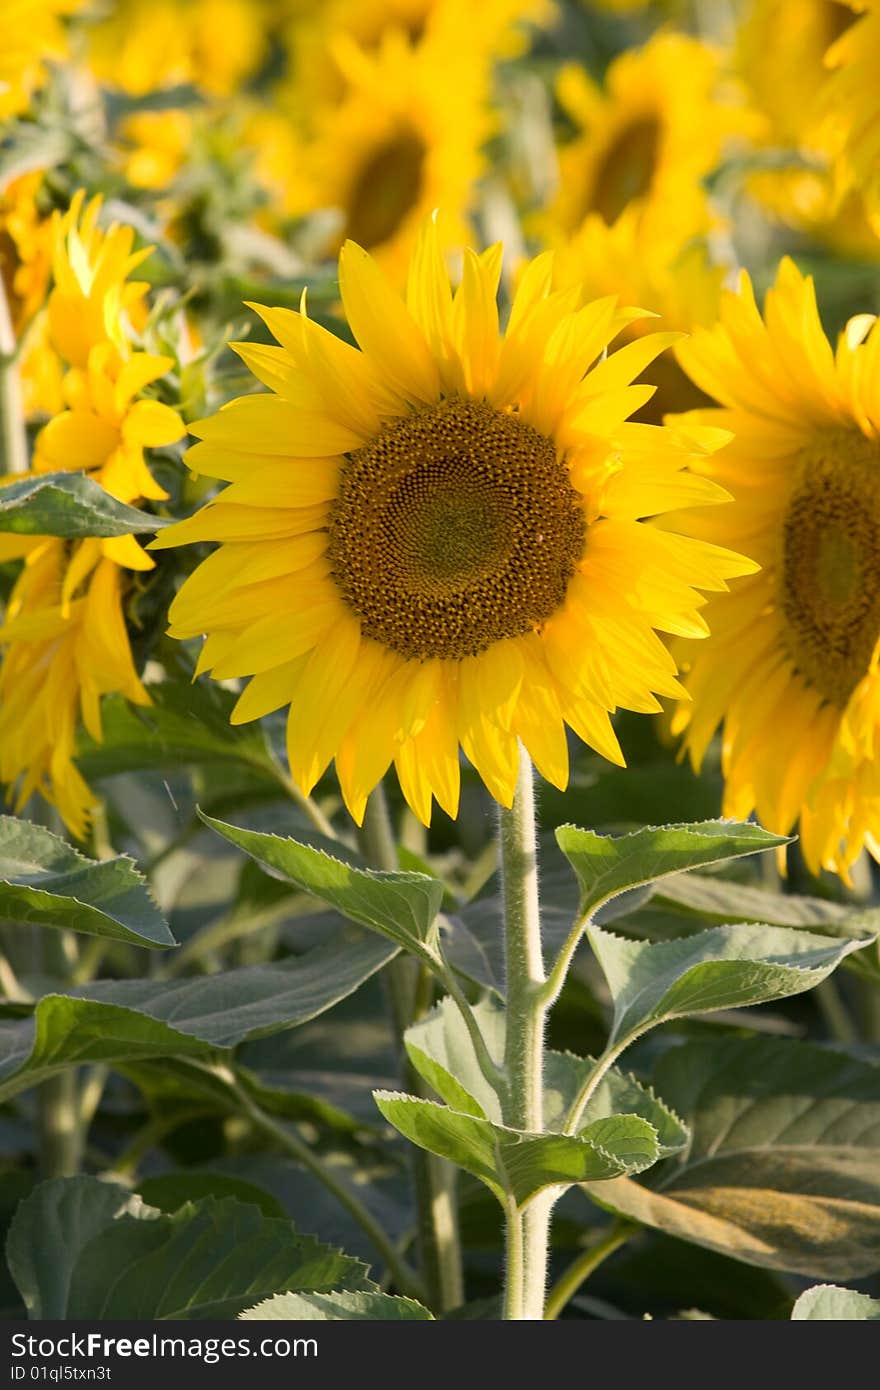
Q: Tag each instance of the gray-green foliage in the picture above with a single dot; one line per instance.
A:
(402, 906)
(47, 883)
(69, 505)
(828, 1303)
(131, 1020)
(82, 1249)
(783, 1166)
(607, 865)
(333, 1307)
(720, 968)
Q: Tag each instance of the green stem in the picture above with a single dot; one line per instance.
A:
(13, 435)
(556, 979)
(835, 1012)
(434, 1179)
(58, 1104)
(405, 1279)
(587, 1090)
(524, 1036)
(581, 1268)
(310, 808)
(59, 1125)
(492, 1073)
(514, 1264)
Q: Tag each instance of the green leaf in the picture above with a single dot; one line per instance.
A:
(44, 881)
(606, 865)
(710, 898)
(130, 1020)
(783, 1168)
(210, 1259)
(48, 1233)
(829, 1303)
(523, 1164)
(69, 505)
(331, 1307)
(722, 968)
(402, 906)
(28, 146)
(618, 1093)
(441, 1051)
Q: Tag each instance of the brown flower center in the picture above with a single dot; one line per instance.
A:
(626, 170)
(456, 527)
(830, 575)
(386, 189)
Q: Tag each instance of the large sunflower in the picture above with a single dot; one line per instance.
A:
(390, 150)
(649, 136)
(440, 539)
(791, 668)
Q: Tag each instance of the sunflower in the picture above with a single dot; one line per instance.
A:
(64, 638)
(791, 668)
(146, 45)
(680, 285)
(648, 137)
(390, 151)
(780, 55)
(317, 35)
(853, 112)
(439, 539)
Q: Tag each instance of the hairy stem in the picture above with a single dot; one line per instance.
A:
(514, 1272)
(434, 1179)
(582, 1267)
(588, 1088)
(527, 1246)
(404, 1278)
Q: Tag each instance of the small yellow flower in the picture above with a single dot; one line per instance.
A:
(62, 653)
(64, 639)
(791, 668)
(106, 428)
(92, 301)
(442, 539)
(154, 146)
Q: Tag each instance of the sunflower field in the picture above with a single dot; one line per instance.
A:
(439, 660)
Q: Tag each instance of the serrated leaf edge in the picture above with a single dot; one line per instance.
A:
(645, 1086)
